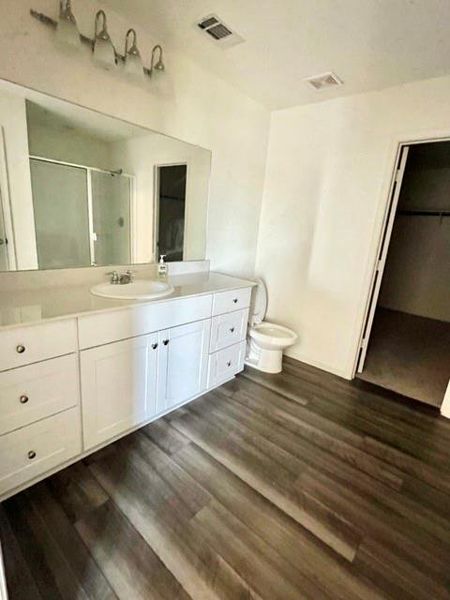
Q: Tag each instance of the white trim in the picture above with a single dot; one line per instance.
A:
(90, 209)
(377, 276)
(5, 205)
(133, 220)
(445, 406)
(79, 166)
(397, 141)
(3, 588)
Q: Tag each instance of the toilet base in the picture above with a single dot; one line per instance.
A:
(268, 361)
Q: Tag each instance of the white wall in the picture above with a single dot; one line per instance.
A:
(69, 146)
(327, 180)
(16, 177)
(416, 279)
(188, 103)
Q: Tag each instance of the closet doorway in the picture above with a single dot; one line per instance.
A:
(406, 338)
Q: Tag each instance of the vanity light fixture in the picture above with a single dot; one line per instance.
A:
(103, 51)
(133, 66)
(159, 64)
(67, 32)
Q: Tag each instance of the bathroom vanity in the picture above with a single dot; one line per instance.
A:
(79, 371)
(82, 362)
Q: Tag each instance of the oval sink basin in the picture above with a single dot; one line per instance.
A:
(137, 290)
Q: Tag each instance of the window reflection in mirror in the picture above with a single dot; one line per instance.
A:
(80, 189)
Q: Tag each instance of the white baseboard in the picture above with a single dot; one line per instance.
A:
(445, 406)
(320, 365)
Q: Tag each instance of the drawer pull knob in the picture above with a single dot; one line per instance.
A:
(154, 346)
(231, 329)
(31, 454)
(23, 399)
(229, 363)
(235, 300)
(165, 342)
(20, 349)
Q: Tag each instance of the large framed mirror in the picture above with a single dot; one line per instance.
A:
(79, 188)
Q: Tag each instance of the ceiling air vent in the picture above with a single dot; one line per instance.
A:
(326, 80)
(216, 30)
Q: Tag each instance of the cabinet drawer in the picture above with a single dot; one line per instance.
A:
(224, 302)
(95, 330)
(33, 450)
(225, 363)
(228, 329)
(30, 393)
(25, 345)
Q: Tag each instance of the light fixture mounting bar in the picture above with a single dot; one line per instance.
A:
(46, 20)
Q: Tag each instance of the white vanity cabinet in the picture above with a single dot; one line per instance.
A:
(129, 382)
(119, 387)
(134, 363)
(183, 363)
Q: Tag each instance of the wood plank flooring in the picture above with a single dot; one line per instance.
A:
(290, 486)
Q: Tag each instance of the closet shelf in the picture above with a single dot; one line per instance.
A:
(425, 213)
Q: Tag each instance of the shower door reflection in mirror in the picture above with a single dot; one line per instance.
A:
(81, 215)
(84, 189)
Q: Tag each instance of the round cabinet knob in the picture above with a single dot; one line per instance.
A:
(231, 329)
(23, 399)
(235, 300)
(229, 363)
(154, 346)
(31, 454)
(165, 342)
(20, 349)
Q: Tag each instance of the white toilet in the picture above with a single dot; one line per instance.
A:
(266, 340)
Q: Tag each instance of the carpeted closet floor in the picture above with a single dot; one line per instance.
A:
(409, 355)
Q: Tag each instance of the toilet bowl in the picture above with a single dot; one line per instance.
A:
(266, 341)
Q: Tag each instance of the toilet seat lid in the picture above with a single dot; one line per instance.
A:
(259, 303)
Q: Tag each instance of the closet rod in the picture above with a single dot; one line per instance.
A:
(425, 213)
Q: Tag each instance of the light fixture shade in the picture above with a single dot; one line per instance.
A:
(67, 34)
(103, 50)
(133, 66)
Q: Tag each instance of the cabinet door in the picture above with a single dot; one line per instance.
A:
(183, 362)
(119, 387)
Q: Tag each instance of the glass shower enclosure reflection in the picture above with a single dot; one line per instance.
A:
(82, 215)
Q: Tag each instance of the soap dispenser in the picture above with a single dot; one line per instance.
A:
(163, 268)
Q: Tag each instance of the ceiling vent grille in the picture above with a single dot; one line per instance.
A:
(216, 30)
(325, 80)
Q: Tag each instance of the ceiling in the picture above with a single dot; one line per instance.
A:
(369, 44)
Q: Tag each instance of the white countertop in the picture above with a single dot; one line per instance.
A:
(34, 306)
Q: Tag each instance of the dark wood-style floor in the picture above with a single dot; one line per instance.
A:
(299, 485)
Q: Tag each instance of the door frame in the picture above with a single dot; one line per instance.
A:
(5, 206)
(156, 168)
(382, 242)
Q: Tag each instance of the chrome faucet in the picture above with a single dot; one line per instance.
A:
(126, 277)
(115, 279)
(121, 278)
